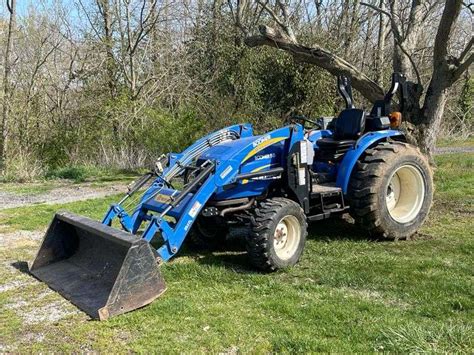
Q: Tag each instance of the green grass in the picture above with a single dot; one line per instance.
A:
(454, 178)
(449, 142)
(36, 188)
(347, 294)
(37, 217)
(46, 186)
(83, 173)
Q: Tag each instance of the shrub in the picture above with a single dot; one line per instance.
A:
(76, 173)
(22, 167)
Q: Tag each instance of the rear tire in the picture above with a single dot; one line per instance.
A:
(391, 190)
(278, 231)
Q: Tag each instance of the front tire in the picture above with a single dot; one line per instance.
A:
(277, 234)
(391, 190)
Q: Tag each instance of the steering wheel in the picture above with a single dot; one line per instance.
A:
(303, 120)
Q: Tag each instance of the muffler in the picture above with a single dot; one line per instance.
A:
(102, 270)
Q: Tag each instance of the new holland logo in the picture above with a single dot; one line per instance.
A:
(261, 140)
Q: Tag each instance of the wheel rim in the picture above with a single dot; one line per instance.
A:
(405, 193)
(286, 237)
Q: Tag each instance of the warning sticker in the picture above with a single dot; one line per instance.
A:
(195, 209)
(304, 153)
(301, 176)
(162, 198)
(226, 172)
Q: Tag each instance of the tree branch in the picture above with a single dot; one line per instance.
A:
(446, 25)
(320, 57)
(413, 64)
(466, 50)
(469, 6)
(393, 23)
(462, 68)
(9, 6)
(398, 37)
(237, 14)
(283, 24)
(272, 13)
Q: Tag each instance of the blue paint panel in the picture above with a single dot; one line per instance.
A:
(227, 150)
(266, 159)
(314, 135)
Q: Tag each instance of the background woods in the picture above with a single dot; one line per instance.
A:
(116, 82)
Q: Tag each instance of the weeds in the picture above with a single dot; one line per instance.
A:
(22, 167)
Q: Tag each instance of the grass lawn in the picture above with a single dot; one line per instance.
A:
(449, 142)
(348, 293)
(45, 186)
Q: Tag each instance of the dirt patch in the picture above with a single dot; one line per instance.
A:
(14, 284)
(20, 238)
(50, 313)
(62, 194)
(29, 299)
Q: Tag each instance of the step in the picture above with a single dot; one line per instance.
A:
(325, 189)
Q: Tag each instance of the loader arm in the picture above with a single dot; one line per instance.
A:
(183, 207)
(176, 167)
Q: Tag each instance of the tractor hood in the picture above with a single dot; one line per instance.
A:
(228, 149)
(245, 149)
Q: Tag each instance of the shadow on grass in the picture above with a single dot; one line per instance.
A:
(232, 255)
(22, 266)
(337, 228)
(237, 262)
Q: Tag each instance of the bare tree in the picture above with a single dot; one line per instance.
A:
(382, 33)
(425, 108)
(136, 21)
(11, 6)
(106, 13)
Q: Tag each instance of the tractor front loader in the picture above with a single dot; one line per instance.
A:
(272, 184)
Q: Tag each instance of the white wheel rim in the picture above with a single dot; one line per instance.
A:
(405, 193)
(286, 237)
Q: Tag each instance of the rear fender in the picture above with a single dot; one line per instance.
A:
(352, 156)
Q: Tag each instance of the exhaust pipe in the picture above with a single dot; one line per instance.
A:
(102, 270)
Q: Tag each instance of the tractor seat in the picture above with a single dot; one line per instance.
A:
(349, 126)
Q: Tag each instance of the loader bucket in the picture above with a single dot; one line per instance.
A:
(102, 270)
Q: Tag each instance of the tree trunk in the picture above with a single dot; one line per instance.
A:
(444, 76)
(108, 41)
(11, 4)
(352, 26)
(432, 118)
(380, 46)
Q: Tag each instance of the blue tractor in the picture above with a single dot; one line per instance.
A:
(273, 184)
